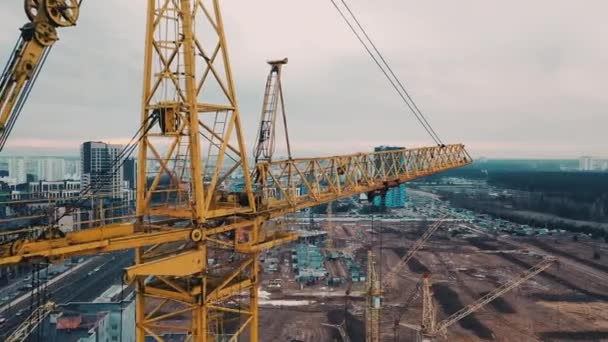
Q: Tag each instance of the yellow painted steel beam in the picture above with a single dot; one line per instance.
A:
(124, 236)
(151, 291)
(180, 265)
(277, 239)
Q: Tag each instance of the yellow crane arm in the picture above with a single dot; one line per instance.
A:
(499, 291)
(284, 186)
(36, 39)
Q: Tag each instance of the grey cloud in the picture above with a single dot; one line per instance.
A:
(514, 78)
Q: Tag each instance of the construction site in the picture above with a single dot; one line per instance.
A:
(215, 244)
(463, 264)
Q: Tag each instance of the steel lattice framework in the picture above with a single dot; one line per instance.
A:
(197, 243)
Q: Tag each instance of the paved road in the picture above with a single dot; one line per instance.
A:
(85, 284)
(21, 296)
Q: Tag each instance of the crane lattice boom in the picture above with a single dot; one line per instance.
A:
(499, 291)
(430, 328)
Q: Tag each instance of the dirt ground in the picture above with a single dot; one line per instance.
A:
(568, 302)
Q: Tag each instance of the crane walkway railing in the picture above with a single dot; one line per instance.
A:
(300, 183)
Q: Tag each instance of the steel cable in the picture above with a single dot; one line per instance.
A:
(396, 83)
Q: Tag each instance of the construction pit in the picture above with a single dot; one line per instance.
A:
(567, 302)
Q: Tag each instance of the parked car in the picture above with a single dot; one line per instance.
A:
(25, 287)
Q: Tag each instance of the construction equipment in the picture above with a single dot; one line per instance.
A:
(390, 276)
(25, 62)
(265, 142)
(341, 329)
(406, 304)
(373, 301)
(31, 323)
(330, 226)
(204, 238)
(430, 329)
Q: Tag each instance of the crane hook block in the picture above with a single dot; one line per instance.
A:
(168, 118)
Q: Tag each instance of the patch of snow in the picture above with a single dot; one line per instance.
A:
(263, 294)
(286, 302)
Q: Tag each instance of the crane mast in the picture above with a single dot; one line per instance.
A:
(373, 301)
(273, 100)
(196, 240)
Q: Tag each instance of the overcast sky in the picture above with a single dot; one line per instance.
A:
(507, 78)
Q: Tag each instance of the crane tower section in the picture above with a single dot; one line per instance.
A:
(190, 142)
(273, 101)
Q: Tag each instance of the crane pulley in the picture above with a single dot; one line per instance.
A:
(33, 46)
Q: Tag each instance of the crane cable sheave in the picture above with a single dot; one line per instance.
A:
(30, 53)
(62, 13)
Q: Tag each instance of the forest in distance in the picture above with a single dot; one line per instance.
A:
(569, 199)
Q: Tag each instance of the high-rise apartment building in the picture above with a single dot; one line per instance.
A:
(72, 169)
(587, 163)
(394, 197)
(17, 170)
(129, 173)
(51, 169)
(101, 172)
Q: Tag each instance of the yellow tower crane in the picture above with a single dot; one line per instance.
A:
(196, 242)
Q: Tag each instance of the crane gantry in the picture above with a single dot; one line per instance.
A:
(197, 242)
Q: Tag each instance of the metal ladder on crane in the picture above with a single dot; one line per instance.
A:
(215, 143)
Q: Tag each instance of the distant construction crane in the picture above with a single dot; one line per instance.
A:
(429, 330)
(30, 324)
(330, 226)
(341, 330)
(373, 305)
(373, 300)
(406, 304)
(273, 100)
(195, 137)
(392, 274)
